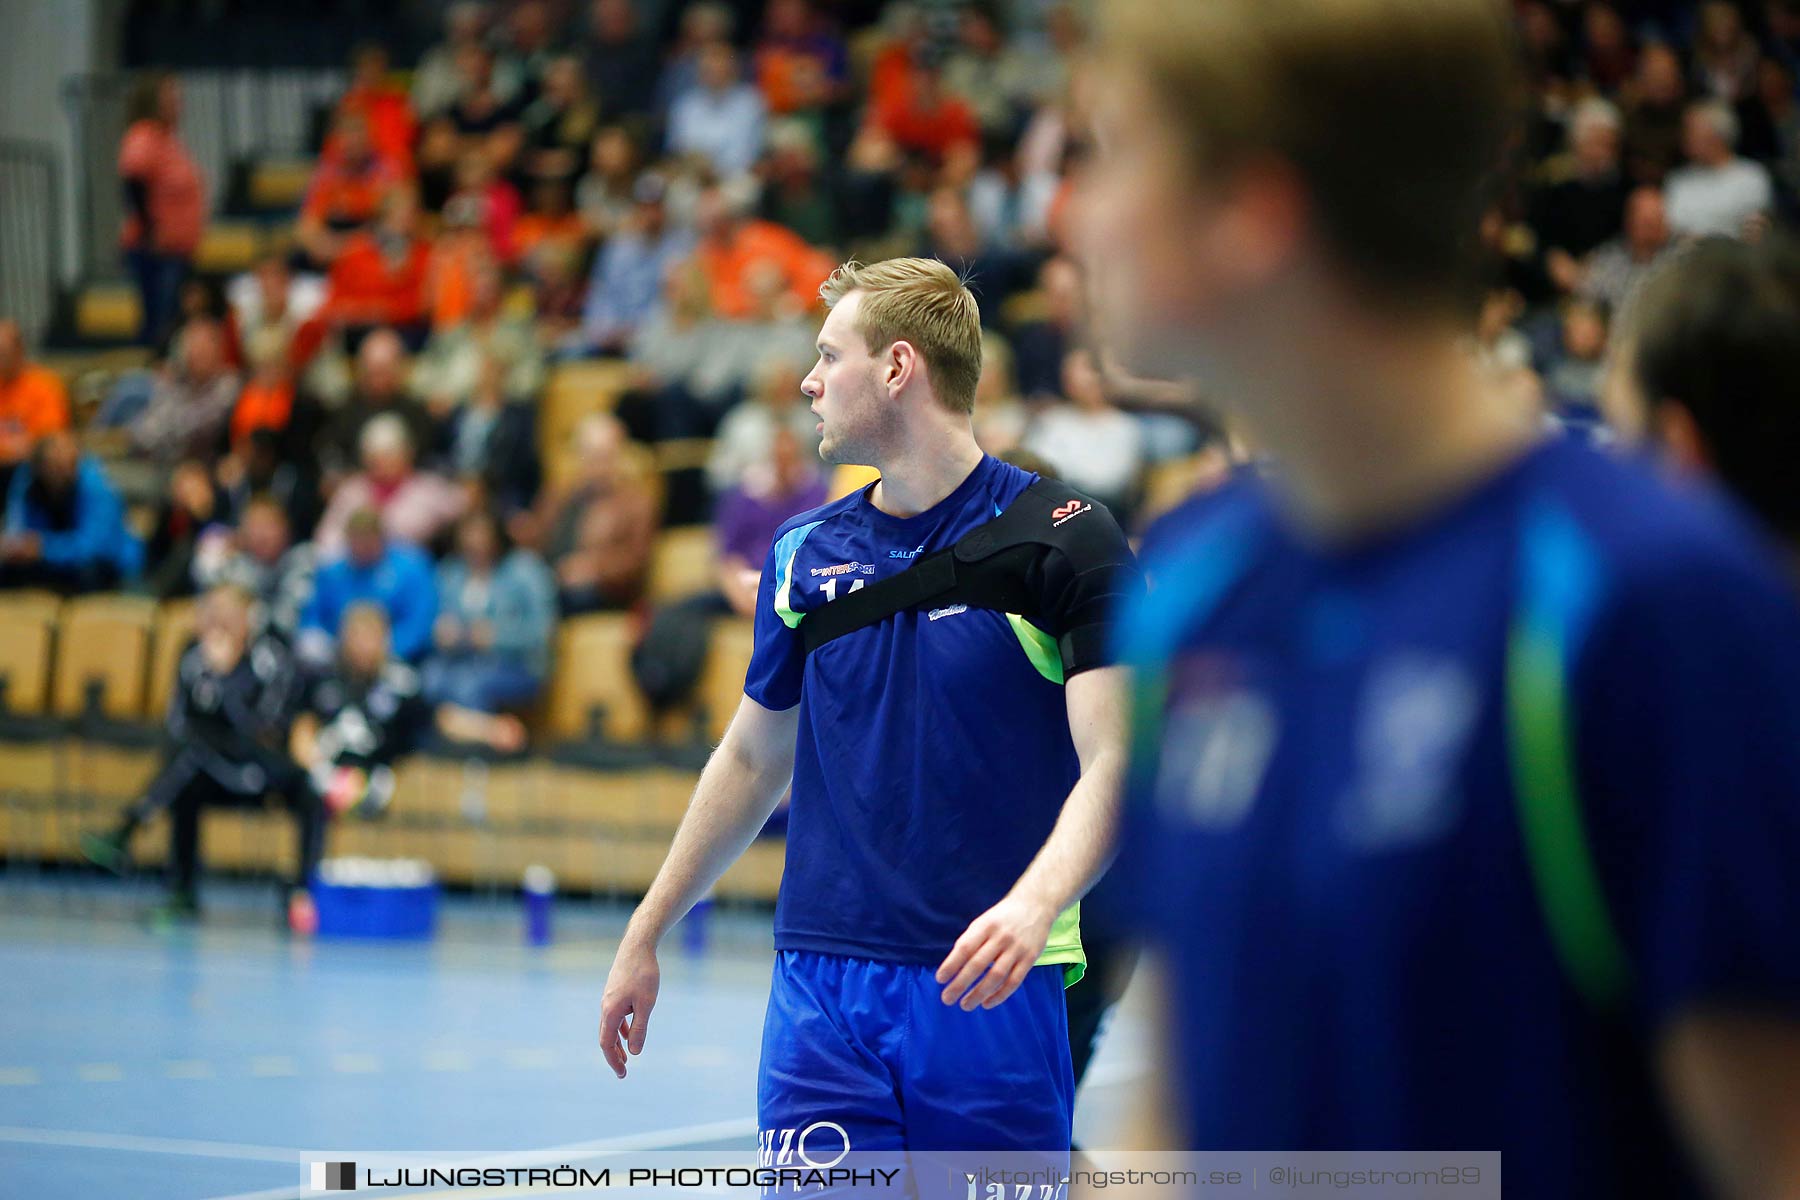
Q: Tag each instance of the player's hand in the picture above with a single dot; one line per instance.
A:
(998, 948)
(630, 992)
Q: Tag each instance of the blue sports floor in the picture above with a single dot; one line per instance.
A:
(204, 1062)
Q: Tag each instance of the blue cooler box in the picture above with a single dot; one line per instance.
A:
(376, 898)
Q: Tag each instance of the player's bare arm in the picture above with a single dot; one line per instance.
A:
(743, 781)
(1001, 945)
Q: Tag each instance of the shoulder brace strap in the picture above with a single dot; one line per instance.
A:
(984, 569)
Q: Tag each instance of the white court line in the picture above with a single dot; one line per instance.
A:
(656, 1139)
(145, 1145)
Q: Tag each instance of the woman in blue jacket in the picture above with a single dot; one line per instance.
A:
(496, 615)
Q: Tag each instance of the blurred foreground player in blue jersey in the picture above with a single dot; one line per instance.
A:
(1465, 792)
(955, 762)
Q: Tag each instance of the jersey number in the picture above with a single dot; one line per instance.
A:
(829, 587)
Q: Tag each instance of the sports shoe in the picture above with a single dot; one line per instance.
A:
(302, 913)
(106, 851)
(179, 908)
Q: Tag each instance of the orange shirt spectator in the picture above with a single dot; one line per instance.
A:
(153, 156)
(554, 233)
(378, 281)
(263, 404)
(726, 259)
(450, 287)
(346, 194)
(924, 118)
(33, 401)
(384, 108)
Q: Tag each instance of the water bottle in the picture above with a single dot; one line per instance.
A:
(693, 927)
(540, 892)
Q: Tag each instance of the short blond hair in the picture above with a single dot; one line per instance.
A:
(920, 301)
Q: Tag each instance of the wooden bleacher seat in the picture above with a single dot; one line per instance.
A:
(593, 667)
(26, 637)
(103, 640)
(684, 562)
(174, 629)
(573, 391)
(722, 678)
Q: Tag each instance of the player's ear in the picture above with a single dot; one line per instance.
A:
(1681, 438)
(901, 364)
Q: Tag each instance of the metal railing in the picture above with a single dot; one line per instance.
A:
(31, 203)
(227, 116)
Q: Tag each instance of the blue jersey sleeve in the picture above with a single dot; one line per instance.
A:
(778, 659)
(1687, 728)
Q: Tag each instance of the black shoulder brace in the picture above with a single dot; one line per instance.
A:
(1006, 565)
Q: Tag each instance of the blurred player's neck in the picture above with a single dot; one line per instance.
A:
(931, 460)
(1375, 428)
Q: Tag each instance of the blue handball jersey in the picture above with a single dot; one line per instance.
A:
(1439, 832)
(933, 754)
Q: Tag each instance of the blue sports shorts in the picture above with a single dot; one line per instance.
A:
(861, 1055)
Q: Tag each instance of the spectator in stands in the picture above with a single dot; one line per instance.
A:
(282, 469)
(701, 25)
(925, 118)
(600, 532)
(749, 513)
(1573, 378)
(414, 506)
(721, 118)
(608, 193)
(1725, 55)
(65, 524)
(481, 107)
(192, 507)
(379, 278)
(166, 203)
(1041, 343)
(367, 712)
(1499, 347)
(549, 233)
(447, 372)
(268, 401)
(794, 192)
(528, 52)
(560, 125)
(1093, 445)
(1608, 55)
(1613, 272)
(621, 63)
(746, 437)
(270, 296)
(1771, 126)
(630, 270)
(732, 243)
(1653, 123)
(496, 616)
(998, 80)
(381, 387)
(493, 441)
(1717, 192)
(191, 401)
(395, 576)
(387, 113)
(480, 185)
(437, 80)
(260, 558)
(801, 65)
(228, 725)
(1585, 205)
(33, 400)
(359, 717)
(347, 190)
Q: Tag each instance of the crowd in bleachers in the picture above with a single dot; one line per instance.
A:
(552, 287)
